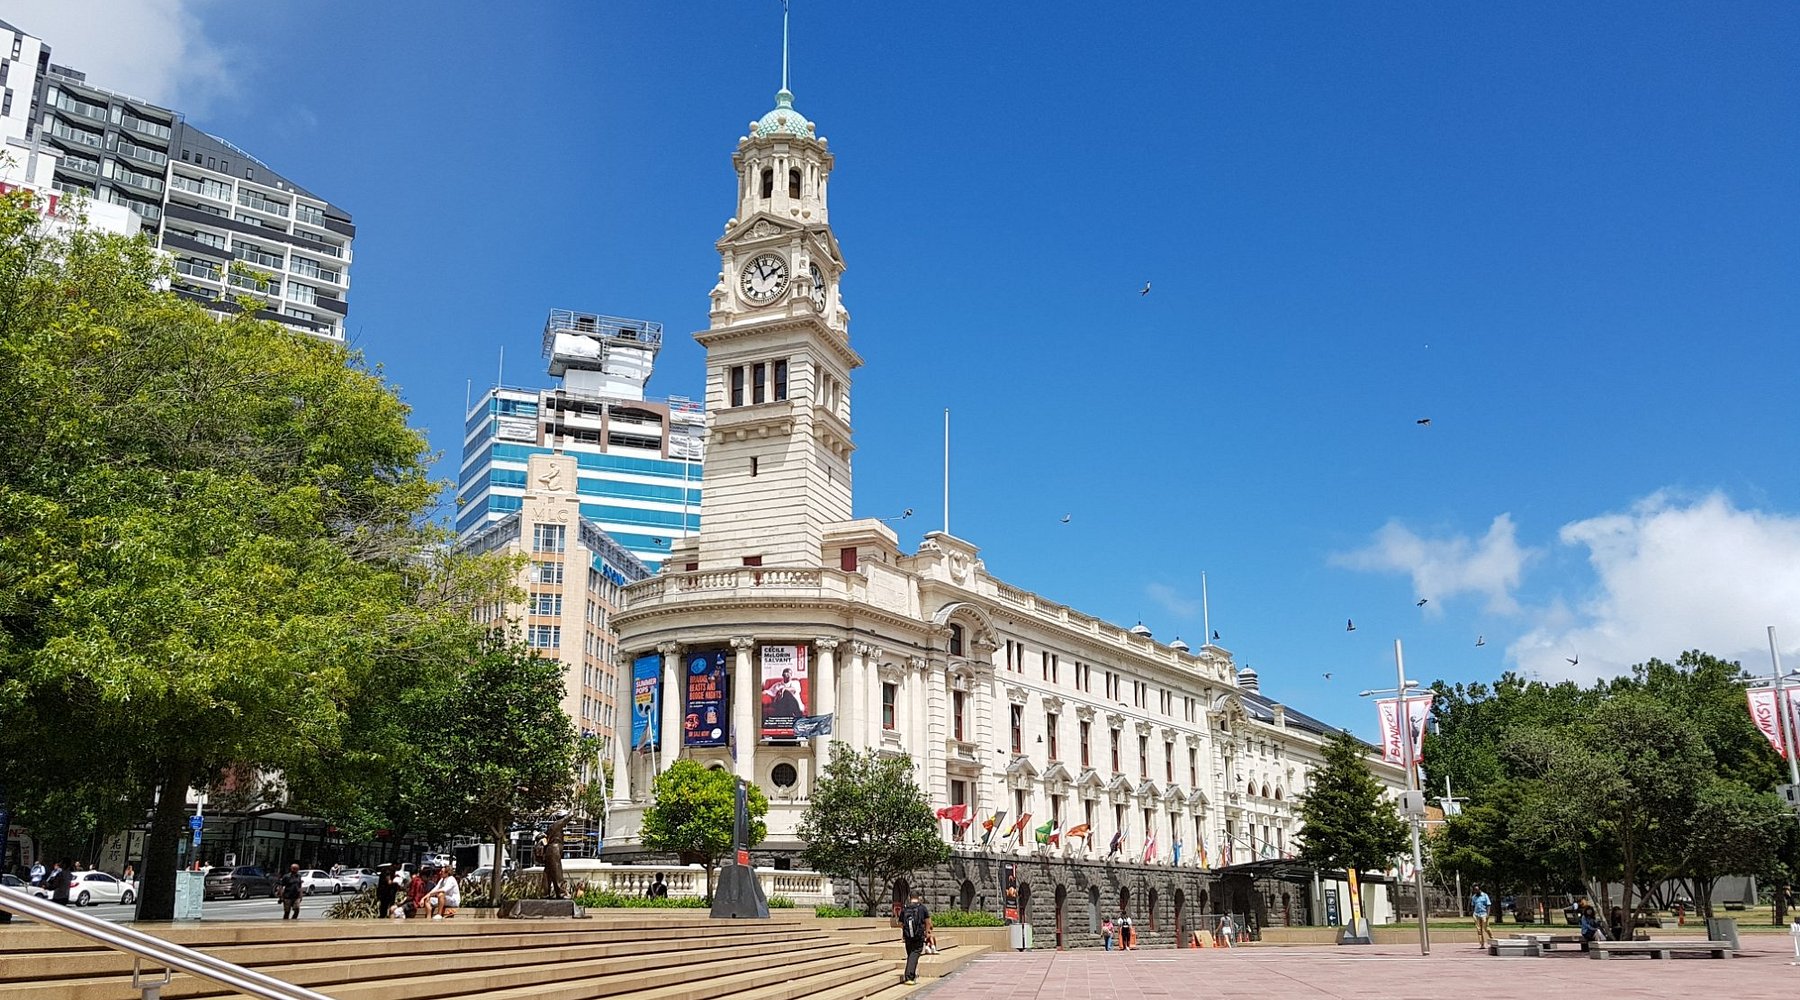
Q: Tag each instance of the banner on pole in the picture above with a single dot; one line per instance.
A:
(1418, 709)
(1763, 712)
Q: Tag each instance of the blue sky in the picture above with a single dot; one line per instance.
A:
(1568, 234)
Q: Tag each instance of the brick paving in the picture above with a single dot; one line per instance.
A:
(1380, 972)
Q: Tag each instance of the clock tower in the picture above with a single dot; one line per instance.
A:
(778, 358)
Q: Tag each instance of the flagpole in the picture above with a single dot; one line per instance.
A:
(946, 470)
(1205, 613)
(1406, 750)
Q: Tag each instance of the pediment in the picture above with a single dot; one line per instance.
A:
(1022, 767)
(1057, 773)
(759, 228)
(1090, 778)
(1120, 785)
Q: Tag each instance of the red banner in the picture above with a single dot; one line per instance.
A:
(1418, 708)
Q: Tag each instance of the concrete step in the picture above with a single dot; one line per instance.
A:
(712, 981)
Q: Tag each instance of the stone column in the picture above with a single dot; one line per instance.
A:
(917, 740)
(620, 792)
(672, 698)
(873, 722)
(744, 735)
(824, 698)
(937, 731)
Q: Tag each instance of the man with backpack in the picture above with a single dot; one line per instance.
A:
(915, 927)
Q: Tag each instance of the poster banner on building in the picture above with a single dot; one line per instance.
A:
(1763, 710)
(707, 722)
(1009, 892)
(1418, 709)
(786, 689)
(646, 717)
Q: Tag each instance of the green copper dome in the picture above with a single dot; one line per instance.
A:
(784, 120)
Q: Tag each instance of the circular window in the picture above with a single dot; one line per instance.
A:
(784, 775)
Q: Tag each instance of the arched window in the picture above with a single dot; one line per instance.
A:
(793, 183)
(1278, 793)
(768, 183)
(956, 640)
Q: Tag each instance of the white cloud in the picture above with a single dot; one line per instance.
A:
(1173, 601)
(153, 49)
(1442, 568)
(1672, 576)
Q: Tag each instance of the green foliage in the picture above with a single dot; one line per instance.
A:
(693, 814)
(213, 549)
(360, 905)
(965, 918)
(597, 899)
(869, 823)
(1346, 821)
(827, 910)
(780, 903)
(512, 888)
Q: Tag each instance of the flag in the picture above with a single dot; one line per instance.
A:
(1047, 833)
(1080, 830)
(990, 826)
(1177, 852)
(1017, 830)
(1118, 843)
(1150, 847)
(1225, 854)
(957, 814)
(1205, 862)
(808, 727)
(1268, 850)
(1388, 710)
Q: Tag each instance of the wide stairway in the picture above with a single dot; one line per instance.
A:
(630, 955)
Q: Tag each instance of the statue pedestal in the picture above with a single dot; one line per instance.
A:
(739, 895)
(537, 909)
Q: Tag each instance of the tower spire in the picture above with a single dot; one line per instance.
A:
(784, 45)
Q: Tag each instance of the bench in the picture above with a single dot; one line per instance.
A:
(1548, 942)
(1660, 948)
(1515, 947)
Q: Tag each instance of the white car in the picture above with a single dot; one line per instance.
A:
(89, 888)
(313, 880)
(355, 879)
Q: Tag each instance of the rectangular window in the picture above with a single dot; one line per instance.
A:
(1050, 721)
(890, 698)
(737, 385)
(781, 379)
(546, 604)
(1018, 728)
(958, 706)
(547, 572)
(549, 537)
(847, 560)
(1087, 729)
(758, 375)
(1115, 752)
(1169, 763)
(956, 640)
(1143, 756)
(543, 636)
(1194, 767)
(1044, 664)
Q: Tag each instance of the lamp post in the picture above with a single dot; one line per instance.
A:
(1412, 804)
(1785, 723)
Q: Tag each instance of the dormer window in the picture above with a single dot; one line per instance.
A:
(793, 184)
(768, 183)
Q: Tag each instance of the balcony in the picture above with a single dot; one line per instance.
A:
(742, 582)
(73, 106)
(250, 256)
(150, 129)
(193, 270)
(143, 154)
(82, 136)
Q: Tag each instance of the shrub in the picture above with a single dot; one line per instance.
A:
(600, 899)
(965, 918)
(360, 906)
(826, 910)
(780, 903)
(476, 893)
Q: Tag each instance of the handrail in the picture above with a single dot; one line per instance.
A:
(145, 946)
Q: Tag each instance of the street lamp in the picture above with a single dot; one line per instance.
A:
(1785, 734)
(1412, 803)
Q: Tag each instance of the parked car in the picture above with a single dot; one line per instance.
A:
(355, 879)
(90, 888)
(15, 882)
(241, 882)
(313, 880)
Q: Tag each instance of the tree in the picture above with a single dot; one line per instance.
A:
(694, 813)
(1346, 822)
(1731, 831)
(213, 544)
(495, 746)
(869, 823)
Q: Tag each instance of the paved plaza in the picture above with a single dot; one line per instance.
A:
(1371, 973)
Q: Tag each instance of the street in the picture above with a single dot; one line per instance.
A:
(264, 908)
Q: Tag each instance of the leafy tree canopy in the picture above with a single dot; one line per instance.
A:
(869, 823)
(1347, 822)
(694, 814)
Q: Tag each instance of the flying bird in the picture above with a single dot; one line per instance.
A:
(1421, 603)
(1349, 626)
(1423, 421)
(1327, 675)
(1215, 635)
(1066, 517)
(657, 541)
(1574, 661)
(1481, 640)
(1146, 290)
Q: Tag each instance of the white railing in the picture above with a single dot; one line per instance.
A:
(805, 888)
(144, 947)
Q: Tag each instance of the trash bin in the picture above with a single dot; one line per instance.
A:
(1723, 929)
(190, 892)
(1016, 937)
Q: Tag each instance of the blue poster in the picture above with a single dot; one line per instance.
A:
(707, 722)
(646, 722)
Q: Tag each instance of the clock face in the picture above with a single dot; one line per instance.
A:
(765, 277)
(818, 287)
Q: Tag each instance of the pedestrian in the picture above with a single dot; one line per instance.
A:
(1480, 904)
(290, 888)
(416, 887)
(130, 873)
(62, 875)
(1784, 904)
(658, 889)
(446, 896)
(385, 891)
(1127, 933)
(1227, 931)
(37, 873)
(1591, 930)
(1106, 933)
(1618, 923)
(915, 928)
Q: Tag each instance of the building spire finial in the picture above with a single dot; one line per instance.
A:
(784, 44)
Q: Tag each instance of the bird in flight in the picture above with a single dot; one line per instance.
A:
(1066, 517)
(1349, 626)
(1423, 421)
(656, 541)
(1327, 675)
(1574, 661)
(1146, 290)
(1481, 640)
(1421, 603)
(1215, 635)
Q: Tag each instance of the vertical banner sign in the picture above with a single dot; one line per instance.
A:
(1418, 709)
(786, 689)
(646, 715)
(1331, 908)
(1009, 892)
(1355, 898)
(706, 723)
(1762, 712)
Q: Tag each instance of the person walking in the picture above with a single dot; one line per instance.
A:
(1106, 933)
(290, 887)
(915, 927)
(1127, 933)
(385, 891)
(1480, 905)
(37, 873)
(62, 875)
